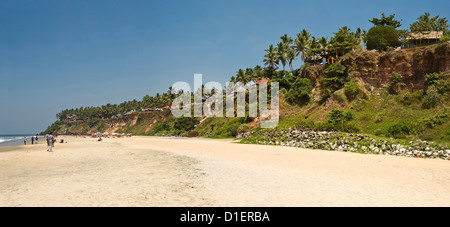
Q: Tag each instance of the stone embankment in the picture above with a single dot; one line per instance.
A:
(336, 141)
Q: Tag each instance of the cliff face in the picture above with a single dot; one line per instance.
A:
(138, 123)
(314, 73)
(413, 64)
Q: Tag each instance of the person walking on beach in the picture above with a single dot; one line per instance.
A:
(24, 140)
(32, 139)
(50, 142)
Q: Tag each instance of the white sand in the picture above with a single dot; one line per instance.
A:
(149, 171)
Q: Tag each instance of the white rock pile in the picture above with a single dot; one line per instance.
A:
(336, 141)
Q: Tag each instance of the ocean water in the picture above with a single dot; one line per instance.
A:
(13, 140)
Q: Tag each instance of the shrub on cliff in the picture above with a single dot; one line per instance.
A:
(285, 79)
(101, 126)
(440, 81)
(299, 93)
(93, 122)
(430, 79)
(352, 90)
(444, 39)
(443, 86)
(338, 120)
(396, 83)
(399, 130)
(56, 126)
(184, 124)
(338, 116)
(334, 80)
(162, 126)
(382, 38)
(344, 40)
(432, 98)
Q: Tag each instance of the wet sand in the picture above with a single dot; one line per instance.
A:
(173, 172)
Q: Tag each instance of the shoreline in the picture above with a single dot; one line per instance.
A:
(19, 141)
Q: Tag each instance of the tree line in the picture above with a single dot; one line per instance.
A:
(109, 110)
(384, 35)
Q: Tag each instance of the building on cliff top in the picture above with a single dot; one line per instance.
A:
(424, 38)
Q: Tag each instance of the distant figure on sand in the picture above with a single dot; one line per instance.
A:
(24, 140)
(32, 140)
(50, 142)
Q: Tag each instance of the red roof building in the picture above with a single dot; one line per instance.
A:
(262, 81)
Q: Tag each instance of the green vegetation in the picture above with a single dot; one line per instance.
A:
(344, 40)
(382, 38)
(400, 129)
(352, 90)
(431, 98)
(396, 83)
(426, 23)
(430, 79)
(385, 35)
(110, 110)
(184, 124)
(334, 80)
(286, 79)
(440, 81)
(444, 39)
(175, 126)
(56, 126)
(223, 127)
(339, 119)
(299, 93)
(403, 116)
(386, 21)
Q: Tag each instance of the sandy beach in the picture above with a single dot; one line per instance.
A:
(173, 172)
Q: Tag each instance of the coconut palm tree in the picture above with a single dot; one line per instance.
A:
(249, 74)
(271, 57)
(324, 44)
(305, 33)
(315, 48)
(258, 73)
(282, 54)
(291, 56)
(287, 40)
(242, 77)
(233, 79)
(302, 43)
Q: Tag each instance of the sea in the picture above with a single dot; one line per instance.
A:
(17, 139)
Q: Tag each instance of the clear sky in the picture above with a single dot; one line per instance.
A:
(58, 54)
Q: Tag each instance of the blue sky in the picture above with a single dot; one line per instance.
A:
(70, 53)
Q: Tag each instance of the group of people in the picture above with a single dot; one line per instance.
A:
(33, 139)
(49, 138)
(50, 142)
